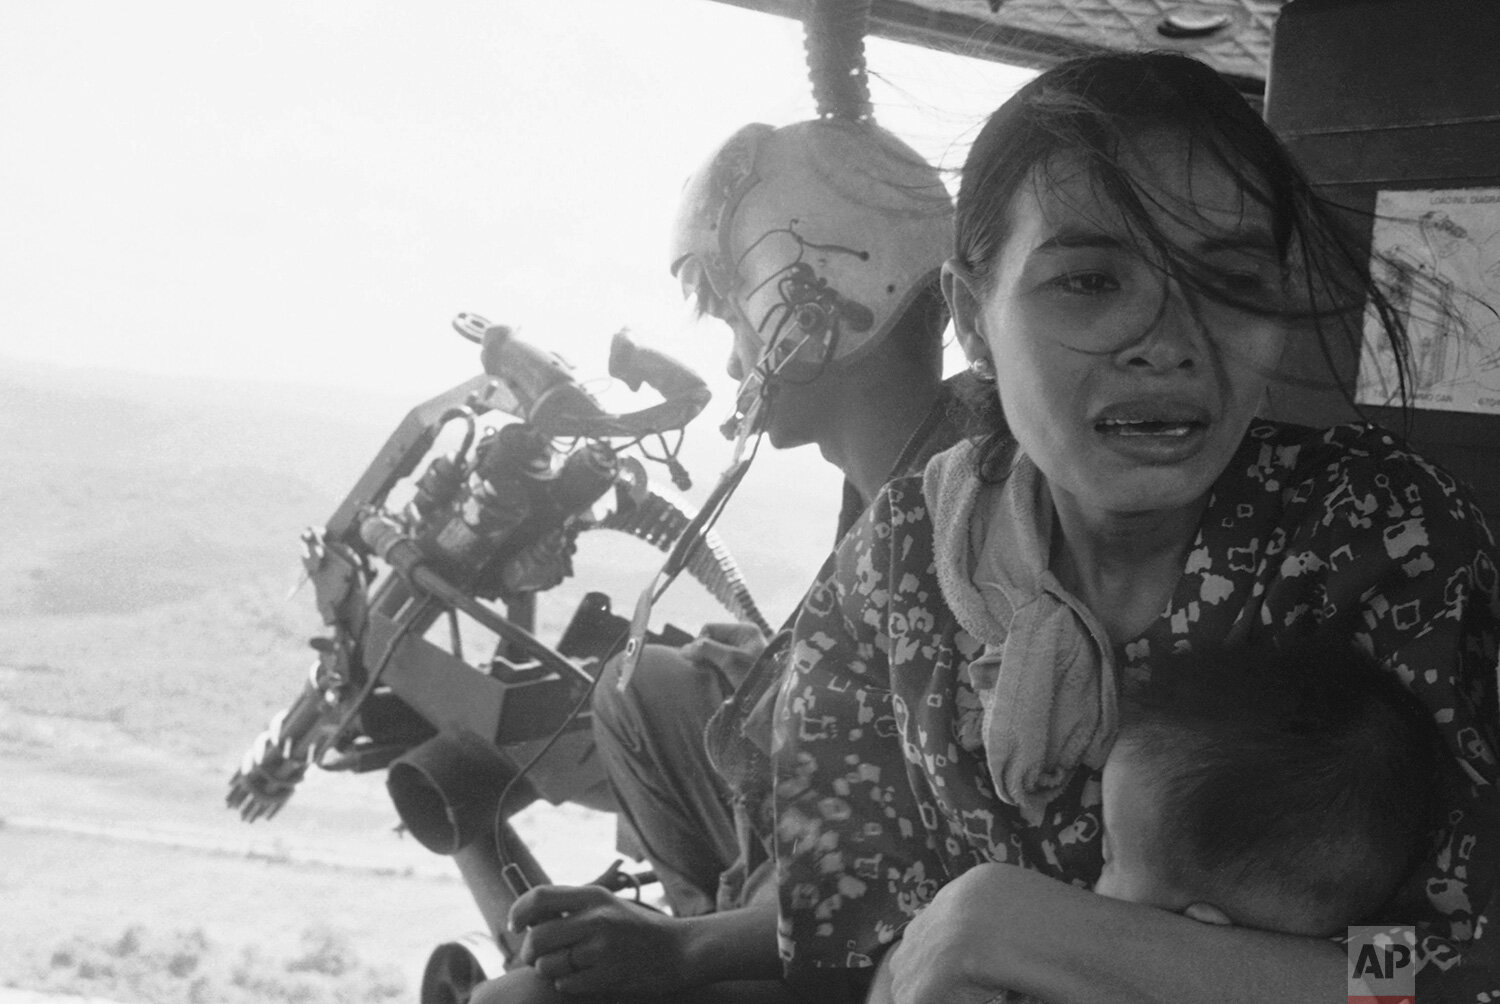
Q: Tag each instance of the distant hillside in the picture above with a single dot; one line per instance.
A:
(136, 491)
(153, 541)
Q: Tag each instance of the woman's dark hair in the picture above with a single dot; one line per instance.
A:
(1087, 109)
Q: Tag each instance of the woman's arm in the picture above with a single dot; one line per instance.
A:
(998, 927)
(1416, 562)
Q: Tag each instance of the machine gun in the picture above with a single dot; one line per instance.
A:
(467, 743)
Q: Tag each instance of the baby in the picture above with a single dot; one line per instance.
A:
(1284, 790)
(1287, 790)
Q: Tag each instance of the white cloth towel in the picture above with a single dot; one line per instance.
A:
(1046, 678)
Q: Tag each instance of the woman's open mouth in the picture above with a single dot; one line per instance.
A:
(1153, 432)
(1148, 427)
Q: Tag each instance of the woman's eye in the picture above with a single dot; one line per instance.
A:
(1253, 278)
(1242, 283)
(1086, 283)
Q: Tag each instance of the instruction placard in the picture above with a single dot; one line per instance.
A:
(1437, 253)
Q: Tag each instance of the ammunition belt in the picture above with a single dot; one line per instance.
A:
(660, 522)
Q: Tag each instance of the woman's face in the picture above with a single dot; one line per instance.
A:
(1127, 390)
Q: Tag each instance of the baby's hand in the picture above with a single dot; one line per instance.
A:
(1207, 913)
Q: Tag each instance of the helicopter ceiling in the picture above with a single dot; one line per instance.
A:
(1233, 36)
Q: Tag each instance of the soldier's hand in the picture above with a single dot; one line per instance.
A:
(730, 648)
(587, 940)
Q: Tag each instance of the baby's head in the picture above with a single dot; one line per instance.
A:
(1285, 789)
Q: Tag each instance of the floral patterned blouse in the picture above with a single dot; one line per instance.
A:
(883, 793)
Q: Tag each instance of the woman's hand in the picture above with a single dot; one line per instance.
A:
(586, 939)
(951, 951)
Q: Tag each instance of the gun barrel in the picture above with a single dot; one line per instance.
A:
(279, 757)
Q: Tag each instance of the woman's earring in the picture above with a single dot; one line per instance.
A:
(983, 369)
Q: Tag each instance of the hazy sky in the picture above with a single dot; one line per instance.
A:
(310, 191)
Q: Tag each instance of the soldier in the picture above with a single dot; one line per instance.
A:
(820, 245)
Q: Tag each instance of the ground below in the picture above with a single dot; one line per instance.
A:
(126, 878)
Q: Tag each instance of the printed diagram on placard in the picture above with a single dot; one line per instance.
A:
(1438, 255)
